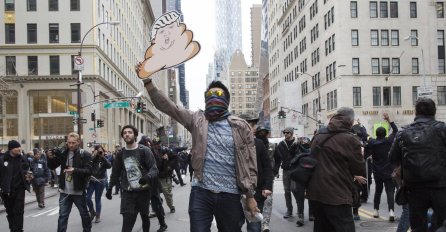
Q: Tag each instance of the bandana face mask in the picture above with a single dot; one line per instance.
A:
(216, 105)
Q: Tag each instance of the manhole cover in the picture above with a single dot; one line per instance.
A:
(378, 224)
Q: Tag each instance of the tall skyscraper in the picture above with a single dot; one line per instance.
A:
(228, 19)
(256, 23)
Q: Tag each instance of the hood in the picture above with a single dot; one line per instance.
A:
(340, 123)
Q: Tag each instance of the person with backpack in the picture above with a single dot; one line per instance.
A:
(378, 149)
(75, 164)
(135, 167)
(420, 148)
(331, 188)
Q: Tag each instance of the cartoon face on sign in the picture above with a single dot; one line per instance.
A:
(171, 45)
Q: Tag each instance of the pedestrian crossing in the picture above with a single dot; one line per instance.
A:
(50, 212)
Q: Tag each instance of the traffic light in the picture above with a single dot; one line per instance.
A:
(282, 114)
(99, 123)
(139, 107)
(93, 117)
(143, 107)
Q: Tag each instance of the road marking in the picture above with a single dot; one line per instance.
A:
(42, 213)
(56, 211)
(369, 214)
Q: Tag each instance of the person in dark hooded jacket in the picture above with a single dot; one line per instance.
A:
(379, 149)
(340, 161)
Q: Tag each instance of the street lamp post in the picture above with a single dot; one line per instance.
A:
(422, 56)
(79, 80)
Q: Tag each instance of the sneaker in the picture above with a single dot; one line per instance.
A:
(391, 215)
(356, 217)
(266, 229)
(375, 213)
(162, 228)
(300, 220)
(288, 214)
(172, 210)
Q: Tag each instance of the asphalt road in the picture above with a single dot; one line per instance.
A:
(46, 219)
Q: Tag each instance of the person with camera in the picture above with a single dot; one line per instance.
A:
(75, 172)
(15, 177)
(98, 180)
(135, 167)
(42, 175)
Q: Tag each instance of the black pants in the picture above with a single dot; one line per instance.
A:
(333, 218)
(390, 192)
(420, 200)
(15, 207)
(133, 203)
(178, 172)
(157, 202)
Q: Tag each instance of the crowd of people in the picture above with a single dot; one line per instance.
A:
(232, 168)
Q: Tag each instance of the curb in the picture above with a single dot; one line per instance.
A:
(3, 209)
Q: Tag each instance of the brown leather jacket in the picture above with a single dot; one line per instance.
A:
(332, 181)
(196, 123)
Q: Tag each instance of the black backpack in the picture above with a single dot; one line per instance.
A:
(423, 153)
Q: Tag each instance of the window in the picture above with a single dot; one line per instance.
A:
(373, 9)
(387, 96)
(353, 9)
(10, 66)
(54, 32)
(396, 65)
(355, 38)
(440, 38)
(32, 65)
(413, 9)
(75, 5)
(440, 44)
(385, 65)
(10, 33)
(376, 96)
(414, 37)
(356, 96)
(393, 9)
(355, 65)
(54, 65)
(396, 95)
(75, 32)
(383, 11)
(414, 94)
(53, 5)
(395, 38)
(374, 37)
(375, 66)
(415, 67)
(9, 5)
(441, 95)
(31, 5)
(32, 33)
(440, 10)
(384, 37)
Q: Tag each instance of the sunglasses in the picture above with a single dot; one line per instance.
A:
(217, 93)
(286, 133)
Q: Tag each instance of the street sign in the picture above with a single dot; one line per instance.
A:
(91, 129)
(123, 104)
(83, 120)
(425, 91)
(78, 63)
(73, 112)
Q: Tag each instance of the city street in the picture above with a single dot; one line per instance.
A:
(46, 219)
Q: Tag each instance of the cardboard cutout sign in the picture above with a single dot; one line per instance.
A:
(171, 45)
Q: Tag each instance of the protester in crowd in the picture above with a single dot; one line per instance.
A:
(379, 149)
(168, 160)
(42, 175)
(223, 159)
(135, 166)
(15, 177)
(75, 164)
(420, 149)
(98, 180)
(331, 187)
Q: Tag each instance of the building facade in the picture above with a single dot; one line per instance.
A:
(37, 51)
(368, 55)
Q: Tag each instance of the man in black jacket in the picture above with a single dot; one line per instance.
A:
(75, 165)
(284, 153)
(14, 180)
(379, 149)
(264, 172)
(420, 148)
(136, 167)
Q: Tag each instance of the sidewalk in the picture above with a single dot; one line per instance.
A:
(31, 197)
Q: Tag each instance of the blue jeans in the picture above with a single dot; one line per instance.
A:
(98, 189)
(404, 224)
(204, 205)
(65, 204)
(420, 200)
(254, 226)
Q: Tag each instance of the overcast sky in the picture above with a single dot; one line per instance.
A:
(199, 18)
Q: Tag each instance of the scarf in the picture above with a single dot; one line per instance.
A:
(216, 108)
